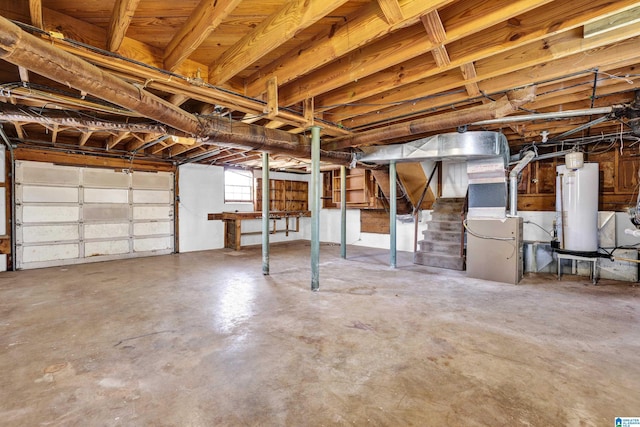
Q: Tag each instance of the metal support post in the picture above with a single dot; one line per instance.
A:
(315, 208)
(393, 206)
(343, 212)
(265, 214)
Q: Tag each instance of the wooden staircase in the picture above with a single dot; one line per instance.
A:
(441, 245)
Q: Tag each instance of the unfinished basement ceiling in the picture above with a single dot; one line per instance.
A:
(367, 72)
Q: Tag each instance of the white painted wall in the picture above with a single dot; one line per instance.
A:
(201, 190)
(330, 230)
(454, 179)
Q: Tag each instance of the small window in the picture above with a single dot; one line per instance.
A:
(238, 186)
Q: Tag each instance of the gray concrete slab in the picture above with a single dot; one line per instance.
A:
(204, 339)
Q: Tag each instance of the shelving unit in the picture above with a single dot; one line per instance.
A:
(284, 195)
(361, 188)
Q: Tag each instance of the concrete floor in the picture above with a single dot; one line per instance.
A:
(204, 339)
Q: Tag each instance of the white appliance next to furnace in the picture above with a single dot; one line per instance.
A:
(577, 205)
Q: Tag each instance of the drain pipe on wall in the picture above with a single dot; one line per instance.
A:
(12, 160)
(513, 182)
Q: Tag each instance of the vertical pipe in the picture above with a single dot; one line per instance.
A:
(265, 214)
(393, 205)
(315, 208)
(343, 212)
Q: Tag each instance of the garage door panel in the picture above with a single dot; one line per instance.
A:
(49, 233)
(39, 213)
(112, 247)
(151, 228)
(106, 195)
(105, 178)
(151, 196)
(42, 194)
(147, 180)
(152, 212)
(72, 215)
(50, 252)
(152, 244)
(44, 173)
(104, 231)
(103, 212)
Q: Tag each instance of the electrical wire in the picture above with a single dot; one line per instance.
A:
(539, 226)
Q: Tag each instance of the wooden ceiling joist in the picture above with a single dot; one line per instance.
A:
(204, 19)
(367, 25)
(116, 139)
(407, 44)
(481, 47)
(35, 11)
(294, 16)
(121, 15)
(498, 72)
(23, 49)
(391, 10)
(500, 108)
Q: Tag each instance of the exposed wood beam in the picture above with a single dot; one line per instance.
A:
(500, 108)
(251, 118)
(531, 26)
(35, 11)
(121, 15)
(96, 36)
(23, 49)
(114, 140)
(161, 146)
(204, 19)
(179, 149)
(606, 58)
(362, 28)
(276, 29)
(19, 130)
(178, 99)
(138, 143)
(272, 98)
(612, 22)
(156, 80)
(84, 137)
(532, 54)
(308, 111)
(54, 132)
(24, 74)
(437, 35)
(391, 10)
(274, 124)
(433, 25)
(406, 44)
(469, 73)
(441, 57)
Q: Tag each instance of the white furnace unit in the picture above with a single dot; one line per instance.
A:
(494, 249)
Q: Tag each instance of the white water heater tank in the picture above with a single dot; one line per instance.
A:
(577, 207)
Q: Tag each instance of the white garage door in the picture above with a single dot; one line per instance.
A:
(70, 215)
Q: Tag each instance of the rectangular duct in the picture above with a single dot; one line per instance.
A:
(487, 188)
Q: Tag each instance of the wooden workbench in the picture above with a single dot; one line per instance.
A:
(233, 224)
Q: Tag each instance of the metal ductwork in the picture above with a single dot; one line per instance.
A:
(447, 146)
(513, 181)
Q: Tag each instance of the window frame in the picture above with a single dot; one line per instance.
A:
(240, 172)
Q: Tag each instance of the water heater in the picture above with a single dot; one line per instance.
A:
(577, 206)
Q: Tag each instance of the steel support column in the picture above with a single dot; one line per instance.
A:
(343, 212)
(393, 206)
(265, 214)
(315, 208)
